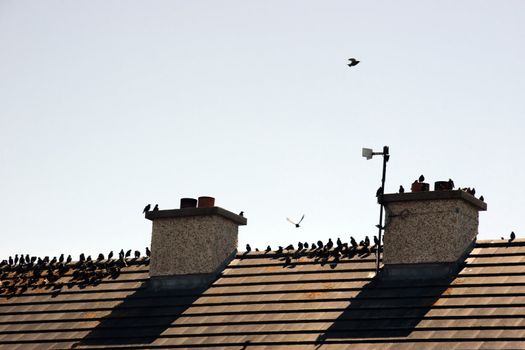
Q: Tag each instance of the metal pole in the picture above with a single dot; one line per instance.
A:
(386, 156)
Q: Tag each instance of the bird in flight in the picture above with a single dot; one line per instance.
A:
(353, 62)
(296, 223)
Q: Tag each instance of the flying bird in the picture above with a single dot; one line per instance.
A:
(296, 223)
(353, 62)
(401, 189)
(146, 208)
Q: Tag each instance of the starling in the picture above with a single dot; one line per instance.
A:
(146, 208)
(290, 247)
(353, 62)
(296, 223)
(248, 248)
(268, 249)
(338, 242)
(121, 253)
(137, 254)
(353, 242)
(376, 240)
(128, 253)
(320, 244)
(379, 191)
(156, 207)
(279, 250)
(401, 189)
(61, 258)
(69, 259)
(481, 198)
(11, 262)
(473, 191)
(16, 259)
(512, 236)
(100, 257)
(241, 213)
(367, 241)
(314, 247)
(300, 246)
(148, 252)
(110, 255)
(287, 261)
(451, 183)
(421, 178)
(329, 244)
(306, 245)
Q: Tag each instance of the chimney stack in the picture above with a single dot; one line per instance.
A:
(428, 234)
(191, 245)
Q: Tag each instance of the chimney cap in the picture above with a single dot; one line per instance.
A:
(435, 195)
(184, 212)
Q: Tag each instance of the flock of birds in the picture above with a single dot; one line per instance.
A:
(328, 252)
(421, 179)
(23, 271)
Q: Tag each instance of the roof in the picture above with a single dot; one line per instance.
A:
(261, 302)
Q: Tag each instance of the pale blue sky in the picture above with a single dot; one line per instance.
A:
(108, 105)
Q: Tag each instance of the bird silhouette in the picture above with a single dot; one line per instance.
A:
(248, 248)
(379, 191)
(110, 255)
(156, 208)
(146, 208)
(329, 244)
(137, 254)
(512, 236)
(241, 213)
(401, 189)
(289, 247)
(306, 245)
(451, 183)
(481, 198)
(353, 242)
(376, 240)
(320, 244)
(148, 252)
(128, 253)
(353, 62)
(421, 178)
(296, 223)
(268, 249)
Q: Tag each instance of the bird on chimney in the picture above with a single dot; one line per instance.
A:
(248, 248)
(353, 242)
(156, 207)
(481, 198)
(512, 236)
(421, 178)
(353, 62)
(146, 208)
(296, 223)
(241, 213)
(401, 189)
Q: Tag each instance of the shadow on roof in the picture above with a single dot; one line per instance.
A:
(386, 309)
(141, 318)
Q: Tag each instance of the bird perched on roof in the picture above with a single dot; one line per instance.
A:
(300, 246)
(320, 244)
(376, 240)
(353, 62)
(137, 254)
(296, 223)
(306, 245)
(421, 178)
(156, 207)
(268, 249)
(481, 198)
(329, 244)
(451, 183)
(248, 248)
(110, 255)
(401, 189)
(379, 191)
(313, 246)
(148, 252)
(367, 241)
(353, 242)
(289, 247)
(128, 253)
(146, 208)
(241, 213)
(512, 236)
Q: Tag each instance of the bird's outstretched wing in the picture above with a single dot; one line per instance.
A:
(301, 219)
